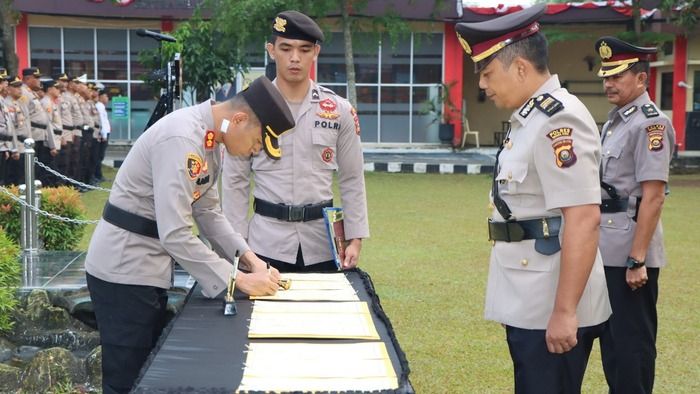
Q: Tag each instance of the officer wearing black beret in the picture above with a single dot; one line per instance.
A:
(638, 141)
(167, 183)
(287, 229)
(546, 282)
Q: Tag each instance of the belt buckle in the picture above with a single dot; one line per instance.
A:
(295, 213)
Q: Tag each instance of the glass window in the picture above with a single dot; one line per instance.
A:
(79, 52)
(396, 60)
(111, 54)
(427, 58)
(667, 91)
(696, 91)
(395, 119)
(425, 126)
(136, 46)
(331, 60)
(367, 112)
(142, 104)
(365, 50)
(45, 44)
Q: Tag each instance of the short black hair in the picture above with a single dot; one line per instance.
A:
(238, 103)
(533, 49)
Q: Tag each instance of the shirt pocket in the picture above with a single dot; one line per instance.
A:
(522, 256)
(612, 157)
(616, 221)
(324, 149)
(511, 177)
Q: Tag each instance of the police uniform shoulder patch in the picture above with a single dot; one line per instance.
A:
(655, 134)
(355, 119)
(649, 110)
(193, 164)
(563, 145)
(629, 111)
(548, 104)
(328, 109)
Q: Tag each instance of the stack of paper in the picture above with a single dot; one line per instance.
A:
(306, 367)
(328, 320)
(315, 287)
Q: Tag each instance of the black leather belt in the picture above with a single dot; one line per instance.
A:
(57, 131)
(610, 205)
(5, 137)
(38, 125)
(291, 213)
(68, 128)
(517, 231)
(130, 221)
(21, 138)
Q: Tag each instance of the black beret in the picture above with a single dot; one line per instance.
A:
(31, 71)
(617, 56)
(62, 77)
(273, 112)
(482, 40)
(46, 84)
(297, 26)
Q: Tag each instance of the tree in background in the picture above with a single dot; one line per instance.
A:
(10, 18)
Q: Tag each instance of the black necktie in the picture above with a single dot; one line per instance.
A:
(501, 205)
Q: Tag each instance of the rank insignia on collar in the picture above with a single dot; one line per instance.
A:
(196, 195)
(194, 165)
(209, 140)
(315, 95)
(328, 107)
(649, 110)
(655, 133)
(525, 110)
(629, 111)
(548, 104)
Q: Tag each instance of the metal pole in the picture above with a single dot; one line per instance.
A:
(29, 229)
(25, 223)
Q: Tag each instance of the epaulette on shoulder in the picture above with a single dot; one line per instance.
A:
(548, 104)
(649, 110)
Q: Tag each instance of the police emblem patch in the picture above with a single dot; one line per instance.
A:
(194, 165)
(564, 153)
(327, 155)
(209, 140)
(280, 24)
(560, 132)
(353, 112)
(328, 107)
(655, 133)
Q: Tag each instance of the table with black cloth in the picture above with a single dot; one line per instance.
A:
(203, 351)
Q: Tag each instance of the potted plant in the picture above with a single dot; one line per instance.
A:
(441, 108)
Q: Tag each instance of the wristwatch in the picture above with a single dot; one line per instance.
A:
(633, 263)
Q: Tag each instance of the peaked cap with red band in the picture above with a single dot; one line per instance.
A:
(618, 56)
(482, 40)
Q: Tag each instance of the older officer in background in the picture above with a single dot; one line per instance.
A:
(638, 142)
(546, 280)
(168, 179)
(287, 229)
(19, 114)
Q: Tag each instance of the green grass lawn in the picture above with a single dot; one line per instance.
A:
(428, 258)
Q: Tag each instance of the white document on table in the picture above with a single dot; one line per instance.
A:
(315, 287)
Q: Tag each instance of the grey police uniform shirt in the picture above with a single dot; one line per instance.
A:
(638, 142)
(38, 115)
(551, 163)
(51, 107)
(66, 111)
(326, 139)
(8, 139)
(19, 113)
(169, 176)
(77, 112)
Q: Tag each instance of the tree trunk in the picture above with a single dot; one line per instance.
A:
(637, 16)
(9, 21)
(349, 60)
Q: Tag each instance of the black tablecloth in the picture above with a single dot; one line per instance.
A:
(202, 350)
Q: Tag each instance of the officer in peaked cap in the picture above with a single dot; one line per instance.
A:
(287, 229)
(638, 141)
(31, 71)
(168, 182)
(7, 132)
(546, 281)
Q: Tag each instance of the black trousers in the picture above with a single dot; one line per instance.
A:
(628, 345)
(63, 160)
(538, 371)
(102, 149)
(74, 159)
(130, 319)
(14, 171)
(3, 165)
(298, 266)
(86, 161)
(43, 153)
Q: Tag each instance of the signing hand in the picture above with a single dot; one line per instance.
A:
(561, 332)
(257, 283)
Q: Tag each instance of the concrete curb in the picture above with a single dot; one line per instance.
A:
(424, 168)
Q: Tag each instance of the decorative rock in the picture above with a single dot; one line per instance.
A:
(93, 367)
(9, 378)
(52, 367)
(7, 348)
